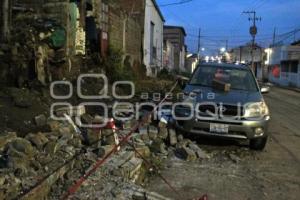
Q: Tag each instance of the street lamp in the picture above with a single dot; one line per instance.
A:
(223, 49)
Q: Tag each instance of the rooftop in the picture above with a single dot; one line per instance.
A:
(158, 10)
(175, 27)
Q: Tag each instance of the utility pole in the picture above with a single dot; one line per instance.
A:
(226, 46)
(199, 43)
(274, 37)
(253, 32)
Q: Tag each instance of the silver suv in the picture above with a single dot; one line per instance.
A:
(224, 100)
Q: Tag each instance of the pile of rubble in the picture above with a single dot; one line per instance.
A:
(46, 164)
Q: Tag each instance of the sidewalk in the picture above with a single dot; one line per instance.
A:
(295, 89)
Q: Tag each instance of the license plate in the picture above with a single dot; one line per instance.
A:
(219, 128)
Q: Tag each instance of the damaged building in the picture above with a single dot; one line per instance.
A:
(50, 39)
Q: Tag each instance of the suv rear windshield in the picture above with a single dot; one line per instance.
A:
(240, 79)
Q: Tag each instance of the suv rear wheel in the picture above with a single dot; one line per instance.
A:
(258, 143)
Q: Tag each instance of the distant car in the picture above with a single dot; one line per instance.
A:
(224, 100)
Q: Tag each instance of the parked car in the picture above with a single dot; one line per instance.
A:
(224, 100)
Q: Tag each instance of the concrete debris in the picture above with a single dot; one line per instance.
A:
(145, 137)
(98, 120)
(172, 137)
(143, 151)
(39, 140)
(234, 158)
(6, 138)
(86, 119)
(152, 132)
(62, 155)
(21, 97)
(184, 143)
(54, 125)
(40, 120)
(52, 147)
(19, 156)
(158, 146)
(93, 137)
(132, 168)
(186, 154)
(163, 133)
(199, 152)
(139, 196)
(71, 111)
(163, 123)
(128, 124)
(180, 138)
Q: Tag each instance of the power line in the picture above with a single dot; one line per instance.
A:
(176, 3)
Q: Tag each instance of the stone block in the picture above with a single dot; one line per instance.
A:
(186, 154)
(39, 140)
(199, 152)
(51, 147)
(143, 151)
(152, 132)
(6, 138)
(163, 133)
(93, 137)
(40, 120)
(172, 137)
(158, 146)
(71, 111)
(131, 168)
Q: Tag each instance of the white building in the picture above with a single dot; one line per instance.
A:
(243, 55)
(285, 60)
(182, 57)
(168, 56)
(191, 63)
(153, 38)
(176, 35)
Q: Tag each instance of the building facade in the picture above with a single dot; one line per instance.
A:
(168, 56)
(191, 63)
(176, 35)
(153, 38)
(243, 54)
(284, 65)
(151, 21)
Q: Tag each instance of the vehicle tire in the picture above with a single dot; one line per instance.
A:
(258, 144)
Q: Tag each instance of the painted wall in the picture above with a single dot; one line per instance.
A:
(182, 60)
(152, 16)
(168, 56)
(284, 53)
(177, 37)
(243, 54)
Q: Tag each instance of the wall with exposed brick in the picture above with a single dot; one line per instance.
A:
(125, 33)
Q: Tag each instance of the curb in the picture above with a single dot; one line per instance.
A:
(287, 88)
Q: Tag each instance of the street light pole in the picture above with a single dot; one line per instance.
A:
(253, 32)
(199, 43)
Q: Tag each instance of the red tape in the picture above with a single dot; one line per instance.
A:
(99, 162)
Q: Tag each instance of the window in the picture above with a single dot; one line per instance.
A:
(294, 66)
(284, 66)
(239, 79)
(152, 26)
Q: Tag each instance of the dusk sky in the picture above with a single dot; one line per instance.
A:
(222, 20)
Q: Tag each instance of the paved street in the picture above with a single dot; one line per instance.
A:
(235, 172)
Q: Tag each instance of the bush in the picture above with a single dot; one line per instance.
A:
(113, 65)
(118, 70)
(165, 74)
